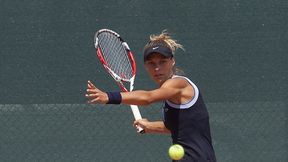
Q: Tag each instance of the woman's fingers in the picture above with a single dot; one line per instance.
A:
(91, 85)
(93, 101)
(91, 95)
(97, 100)
(135, 123)
(93, 91)
(95, 95)
(140, 122)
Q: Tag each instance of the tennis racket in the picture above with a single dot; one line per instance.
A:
(117, 58)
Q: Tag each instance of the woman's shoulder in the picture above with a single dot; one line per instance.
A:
(184, 79)
(177, 81)
(181, 77)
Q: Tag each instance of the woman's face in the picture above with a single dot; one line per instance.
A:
(159, 67)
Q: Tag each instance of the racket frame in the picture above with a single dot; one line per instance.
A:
(116, 77)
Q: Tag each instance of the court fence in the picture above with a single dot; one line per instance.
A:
(250, 132)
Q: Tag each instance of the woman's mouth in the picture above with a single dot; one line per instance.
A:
(158, 75)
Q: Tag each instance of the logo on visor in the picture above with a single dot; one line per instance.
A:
(154, 48)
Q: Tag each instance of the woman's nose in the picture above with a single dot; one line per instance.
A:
(156, 67)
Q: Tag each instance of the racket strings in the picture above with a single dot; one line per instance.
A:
(115, 54)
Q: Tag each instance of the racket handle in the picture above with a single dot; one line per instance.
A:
(137, 116)
(140, 130)
(136, 112)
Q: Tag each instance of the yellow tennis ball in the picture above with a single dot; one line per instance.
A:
(176, 152)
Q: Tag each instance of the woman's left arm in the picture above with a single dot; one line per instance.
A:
(152, 127)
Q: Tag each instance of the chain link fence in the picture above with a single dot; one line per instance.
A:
(248, 132)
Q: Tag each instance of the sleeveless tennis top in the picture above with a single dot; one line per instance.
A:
(189, 126)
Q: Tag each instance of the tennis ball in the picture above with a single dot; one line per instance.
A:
(176, 152)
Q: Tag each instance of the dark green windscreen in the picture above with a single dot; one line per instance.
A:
(235, 51)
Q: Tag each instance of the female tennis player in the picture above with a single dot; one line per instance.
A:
(185, 114)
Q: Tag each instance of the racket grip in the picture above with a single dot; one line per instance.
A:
(140, 130)
(137, 116)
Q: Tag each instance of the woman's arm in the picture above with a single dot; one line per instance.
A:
(152, 127)
(170, 89)
(141, 97)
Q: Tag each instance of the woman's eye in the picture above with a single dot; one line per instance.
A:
(150, 63)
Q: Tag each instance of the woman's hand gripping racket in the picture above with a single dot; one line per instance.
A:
(117, 58)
